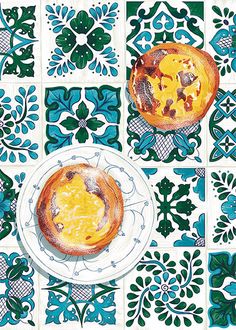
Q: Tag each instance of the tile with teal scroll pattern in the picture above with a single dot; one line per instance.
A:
(20, 134)
(221, 37)
(67, 305)
(150, 23)
(222, 129)
(83, 115)
(19, 40)
(222, 289)
(221, 218)
(18, 290)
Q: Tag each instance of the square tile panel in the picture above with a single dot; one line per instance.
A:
(83, 114)
(222, 194)
(20, 121)
(222, 128)
(220, 37)
(180, 203)
(150, 23)
(167, 290)
(83, 40)
(149, 146)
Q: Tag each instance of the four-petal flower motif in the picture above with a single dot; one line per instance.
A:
(229, 207)
(81, 39)
(82, 123)
(165, 287)
(5, 205)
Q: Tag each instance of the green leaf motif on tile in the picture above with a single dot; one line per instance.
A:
(222, 312)
(169, 211)
(165, 289)
(224, 184)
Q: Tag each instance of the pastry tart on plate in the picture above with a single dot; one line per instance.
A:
(173, 85)
(80, 209)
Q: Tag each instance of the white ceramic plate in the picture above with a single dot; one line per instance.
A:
(134, 235)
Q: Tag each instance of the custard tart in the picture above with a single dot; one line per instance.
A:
(173, 85)
(80, 209)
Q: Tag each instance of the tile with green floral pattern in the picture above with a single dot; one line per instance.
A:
(148, 145)
(11, 181)
(152, 22)
(18, 290)
(222, 128)
(180, 203)
(221, 37)
(221, 220)
(81, 115)
(67, 305)
(166, 290)
(222, 289)
(19, 41)
(83, 40)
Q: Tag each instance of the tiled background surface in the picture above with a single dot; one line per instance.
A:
(63, 69)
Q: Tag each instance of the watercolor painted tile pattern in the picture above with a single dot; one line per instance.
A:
(10, 184)
(164, 290)
(17, 290)
(150, 23)
(222, 130)
(222, 291)
(146, 144)
(17, 38)
(83, 40)
(79, 115)
(221, 37)
(180, 202)
(67, 305)
(19, 124)
(222, 194)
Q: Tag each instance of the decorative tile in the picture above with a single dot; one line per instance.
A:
(67, 305)
(84, 39)
(222, 294)
(222, 137)
(79, 115)
(19, 44)
(18, 288)
(19, 124)
(222, 194)
(221, 37)
(10, 184)
(166, 290)
(180, 202)
(150, 23)
(148, 145)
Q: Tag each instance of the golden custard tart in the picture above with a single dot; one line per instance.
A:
(80, 209)
(173, 85)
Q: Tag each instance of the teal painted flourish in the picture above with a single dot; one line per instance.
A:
(94, 117)
(16, 276)
(80, 303)
(17, 119)
(165, 289)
